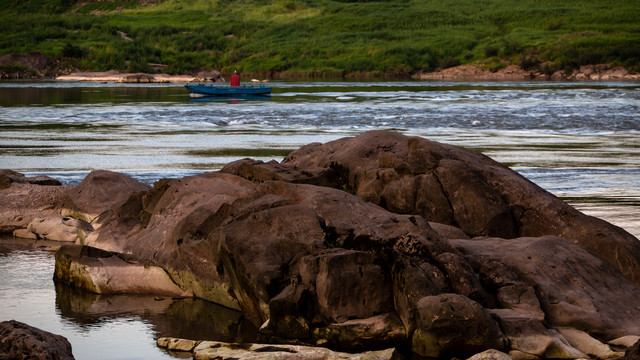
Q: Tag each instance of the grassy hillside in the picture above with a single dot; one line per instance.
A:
(323, 37)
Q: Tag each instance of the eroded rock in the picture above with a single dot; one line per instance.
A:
(574, 288)
(59, 229)
(105, 272)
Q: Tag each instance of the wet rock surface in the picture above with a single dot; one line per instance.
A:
(368, 243)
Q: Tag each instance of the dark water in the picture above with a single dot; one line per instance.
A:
(581, 141)
(104, 326)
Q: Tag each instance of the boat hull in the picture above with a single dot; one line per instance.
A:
(243, 90)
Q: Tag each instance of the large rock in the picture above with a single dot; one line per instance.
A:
(9, 176)
(98, 192)
(461, 187)
(321, 257)
(574, 288)
(21, 341)
(25, 199)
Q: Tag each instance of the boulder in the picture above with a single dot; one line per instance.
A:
(9, 176)
(202, 230)
(321, 264)
(463, 188)
(21, 341)
(97, 193)
(23, 201)
(574, 288)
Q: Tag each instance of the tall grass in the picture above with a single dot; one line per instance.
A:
(325, 37)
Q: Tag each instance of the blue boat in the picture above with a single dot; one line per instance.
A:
(224, 90)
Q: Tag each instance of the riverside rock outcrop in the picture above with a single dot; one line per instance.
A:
(335, 247)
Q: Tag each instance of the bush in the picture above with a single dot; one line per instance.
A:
(72, 51)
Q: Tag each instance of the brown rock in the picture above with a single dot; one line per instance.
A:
(21, 341)
(23, 202)
(482, 196)
(574, 288)
(12, 176)
(98, 192)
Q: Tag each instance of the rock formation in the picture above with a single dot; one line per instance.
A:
(21, 341)
(224, 351)
(368, 243)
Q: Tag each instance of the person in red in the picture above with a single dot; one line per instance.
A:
(235, 79)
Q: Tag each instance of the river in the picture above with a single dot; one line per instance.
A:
(578, 140)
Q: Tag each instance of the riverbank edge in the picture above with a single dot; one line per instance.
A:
(602, 72)
(35, 65)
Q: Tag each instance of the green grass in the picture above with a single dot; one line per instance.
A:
(324, 37)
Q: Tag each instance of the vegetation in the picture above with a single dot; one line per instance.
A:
(323, 37)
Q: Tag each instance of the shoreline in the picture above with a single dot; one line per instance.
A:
(138, 78)
(601, 72)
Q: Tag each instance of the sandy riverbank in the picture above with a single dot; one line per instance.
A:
(116, 76)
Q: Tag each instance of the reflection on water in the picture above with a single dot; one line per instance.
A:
(184, 318)
(104, 326)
